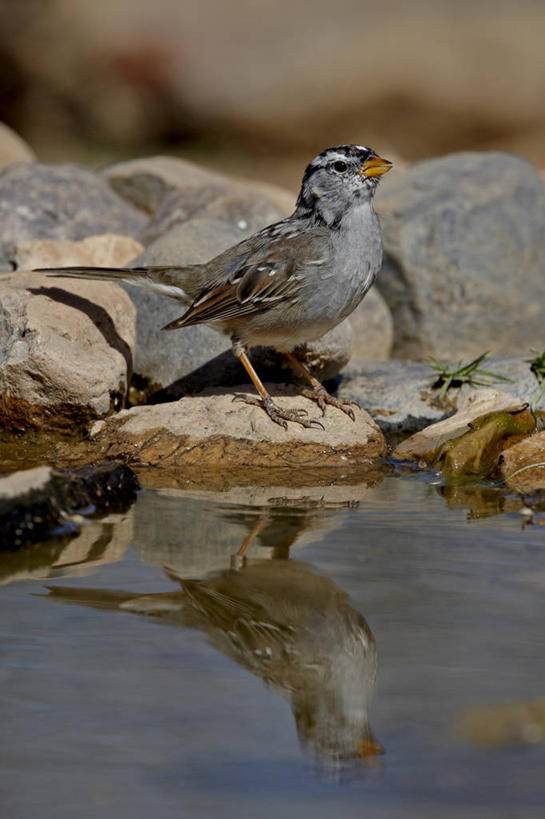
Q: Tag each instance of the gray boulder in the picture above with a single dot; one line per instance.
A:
(464, 267)
(58, 202)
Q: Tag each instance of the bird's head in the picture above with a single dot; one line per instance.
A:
(339, 178)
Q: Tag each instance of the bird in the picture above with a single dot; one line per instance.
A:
(290, 282)
(286, 624)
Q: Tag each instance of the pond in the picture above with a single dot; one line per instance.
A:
(349, 650)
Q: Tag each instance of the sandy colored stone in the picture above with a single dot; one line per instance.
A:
(528, 456)
(106, 250)
(65, 350)
(213, 431)
(476, 404)
(13, 148)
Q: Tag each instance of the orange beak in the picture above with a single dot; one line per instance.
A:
(375, 166)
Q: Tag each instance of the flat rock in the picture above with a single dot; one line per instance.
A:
(212, 431)
(13, 148)
(464, 236)
(34, 501)
(523, 464)
(40, 201)
(65, 350)
(476, 405)
(401, 397)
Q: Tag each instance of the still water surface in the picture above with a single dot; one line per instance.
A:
(327, 669)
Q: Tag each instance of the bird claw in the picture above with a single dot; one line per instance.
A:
(277, 414)
(322, 398)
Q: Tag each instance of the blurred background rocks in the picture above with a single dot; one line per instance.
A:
(257, 88)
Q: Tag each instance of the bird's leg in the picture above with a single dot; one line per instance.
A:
(318, 392)
(275, 413)
(238, 559)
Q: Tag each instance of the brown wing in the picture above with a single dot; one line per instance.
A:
(260, 279)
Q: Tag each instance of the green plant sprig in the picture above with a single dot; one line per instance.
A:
(454, 375)
(537, 366)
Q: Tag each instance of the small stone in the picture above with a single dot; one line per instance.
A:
(523, 464)
(107, 250)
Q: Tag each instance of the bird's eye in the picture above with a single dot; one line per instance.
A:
(340, 166)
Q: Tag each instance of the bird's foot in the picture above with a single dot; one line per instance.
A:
(277, 414)
(321, 396)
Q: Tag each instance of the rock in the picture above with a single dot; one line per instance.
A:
(65, 350)
(34, 501)
(244, 213)
(425, 443)
(58, 202)
(107, 250)
(398, 394)
(372, 328)
(13, 148)
(213, 432)
(464, 235)
(402, 398)
(161, 184)
(523, 464)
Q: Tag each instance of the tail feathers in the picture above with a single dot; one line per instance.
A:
(158, 279)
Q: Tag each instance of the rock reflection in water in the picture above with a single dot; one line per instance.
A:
(286, 624)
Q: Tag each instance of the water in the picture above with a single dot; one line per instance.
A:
(127, 694)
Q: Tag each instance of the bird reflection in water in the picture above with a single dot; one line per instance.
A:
(291, 627)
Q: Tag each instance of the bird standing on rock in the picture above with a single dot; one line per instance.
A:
(289, 283)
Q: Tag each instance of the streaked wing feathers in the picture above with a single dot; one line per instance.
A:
(266, 274)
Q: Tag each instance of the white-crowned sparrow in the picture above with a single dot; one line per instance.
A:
(282, 622)
(289, 283)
